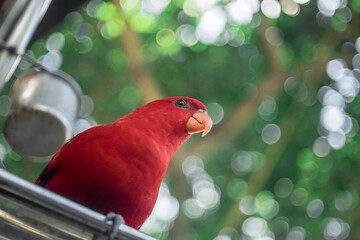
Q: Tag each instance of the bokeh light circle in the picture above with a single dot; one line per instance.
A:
(332, 118)
(247, 205)
(343, 201)
(254, 227)
(271, 8)
(283, 187)
(215, 111)
(296, 233)
(321, 147)
(271, 133)
(315, 208)
(165, 37)
(336, 139)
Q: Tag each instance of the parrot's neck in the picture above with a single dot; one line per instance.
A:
(168, 134)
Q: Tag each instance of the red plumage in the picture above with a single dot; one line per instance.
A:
(119, 167)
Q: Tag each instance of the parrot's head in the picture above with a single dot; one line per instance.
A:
(174, 116)
(186, 114)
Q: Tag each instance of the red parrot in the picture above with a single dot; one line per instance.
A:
(119, 167)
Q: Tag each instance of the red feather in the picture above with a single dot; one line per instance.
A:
(119, 167)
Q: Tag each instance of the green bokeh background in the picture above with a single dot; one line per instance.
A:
(239, 79)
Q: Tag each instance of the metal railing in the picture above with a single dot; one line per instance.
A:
(30, 212)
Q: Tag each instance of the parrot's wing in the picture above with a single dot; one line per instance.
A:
(49, 170)
(44, 176)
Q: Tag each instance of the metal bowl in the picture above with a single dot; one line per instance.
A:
(43, 109)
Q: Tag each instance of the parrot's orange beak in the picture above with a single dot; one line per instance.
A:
(200, 121)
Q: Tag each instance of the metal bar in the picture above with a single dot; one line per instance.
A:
(18, 22)
(28, 211)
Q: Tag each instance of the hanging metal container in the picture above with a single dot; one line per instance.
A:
(44, 107)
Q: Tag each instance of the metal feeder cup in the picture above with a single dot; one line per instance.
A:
(43, 109)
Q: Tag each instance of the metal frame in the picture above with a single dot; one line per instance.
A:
(28, 211)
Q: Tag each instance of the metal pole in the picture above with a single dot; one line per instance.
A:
(18, 22)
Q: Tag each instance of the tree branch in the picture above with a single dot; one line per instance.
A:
(148, 87)
(131, 42)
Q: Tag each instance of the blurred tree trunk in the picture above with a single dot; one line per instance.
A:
(148, 87)
(131, 43)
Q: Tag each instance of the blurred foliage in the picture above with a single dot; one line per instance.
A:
(275, 187)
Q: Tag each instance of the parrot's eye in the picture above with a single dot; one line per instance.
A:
(182, 103)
